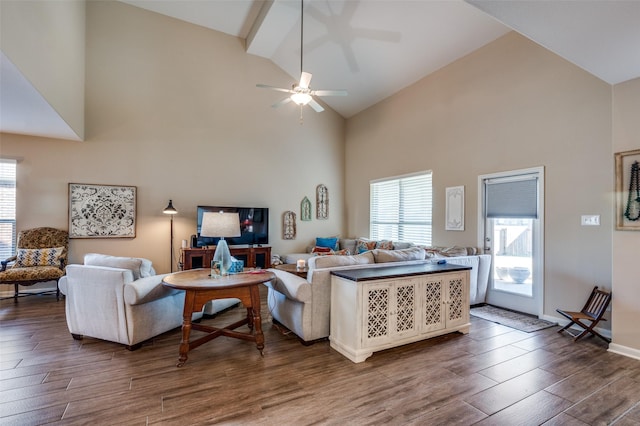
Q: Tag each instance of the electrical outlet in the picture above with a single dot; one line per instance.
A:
(591, 220)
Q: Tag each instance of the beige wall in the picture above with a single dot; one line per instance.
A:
(507, 106)
(46, 41)
(626, 244)
(172, 109)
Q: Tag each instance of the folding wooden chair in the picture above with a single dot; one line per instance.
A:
(593, 311)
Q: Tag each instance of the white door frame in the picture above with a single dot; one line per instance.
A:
(538, 242)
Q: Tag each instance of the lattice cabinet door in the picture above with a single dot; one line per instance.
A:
(457, 312)
(405, 316)
(376, 314)
(433, 296)
(390, 311)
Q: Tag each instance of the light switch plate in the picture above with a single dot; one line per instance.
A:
(591, 220)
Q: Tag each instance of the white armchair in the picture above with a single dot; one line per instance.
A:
(120, 299)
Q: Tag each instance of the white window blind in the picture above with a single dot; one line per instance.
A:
(7, 208)
(401, 209)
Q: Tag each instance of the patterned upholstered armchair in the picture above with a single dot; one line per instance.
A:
(41, 256)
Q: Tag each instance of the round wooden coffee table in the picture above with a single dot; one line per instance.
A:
(199, 288)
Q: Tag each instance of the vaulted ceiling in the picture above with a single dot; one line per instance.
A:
(375, 48)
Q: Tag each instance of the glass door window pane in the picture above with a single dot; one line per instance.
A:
(513, 255)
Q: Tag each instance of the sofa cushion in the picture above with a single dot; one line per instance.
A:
(401, 246)
(414, 253)
(294, 257)
(141, 268)
(38, 257)
(332, 261)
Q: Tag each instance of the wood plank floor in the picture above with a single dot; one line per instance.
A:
(495, 375)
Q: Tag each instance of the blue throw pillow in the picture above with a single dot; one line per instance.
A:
(331, 242)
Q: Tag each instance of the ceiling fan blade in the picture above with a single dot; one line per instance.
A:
(282, 102)
(305, 79)
(279, 89)
(330, 92)
(316, 106)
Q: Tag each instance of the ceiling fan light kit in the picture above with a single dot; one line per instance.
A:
(301, 98)
(301, 94)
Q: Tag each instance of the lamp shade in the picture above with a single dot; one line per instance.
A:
(170, 209)
(220, 224)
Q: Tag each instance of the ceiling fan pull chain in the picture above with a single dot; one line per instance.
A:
(632, 211)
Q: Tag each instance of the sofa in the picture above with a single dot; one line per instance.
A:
(336, 245)
(303, 305)
(122, 300)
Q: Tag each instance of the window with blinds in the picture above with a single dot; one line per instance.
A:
(400, 209)
(7, 208)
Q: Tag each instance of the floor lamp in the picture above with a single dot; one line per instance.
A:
(171, 211)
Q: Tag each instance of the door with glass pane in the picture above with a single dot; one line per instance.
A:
(512, 233)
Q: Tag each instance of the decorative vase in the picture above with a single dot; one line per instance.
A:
(519, 274)
(502, 272)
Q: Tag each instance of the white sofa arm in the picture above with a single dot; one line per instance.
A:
(62, 285)
(291, 285)
(147, 289)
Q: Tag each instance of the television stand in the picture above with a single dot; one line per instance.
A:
(253, 256)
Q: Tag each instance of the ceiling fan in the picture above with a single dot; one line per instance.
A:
(300, 93)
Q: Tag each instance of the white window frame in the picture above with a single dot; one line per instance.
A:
(407, 213)
(8, 178)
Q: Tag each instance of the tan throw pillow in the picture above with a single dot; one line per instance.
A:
(454, 251)
(414, 253)
(38, 257)
(347, 244)
(332, 261)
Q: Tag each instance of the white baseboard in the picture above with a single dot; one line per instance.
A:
(624, 350)
(613, 347)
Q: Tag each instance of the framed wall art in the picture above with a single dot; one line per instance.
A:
(322, 202)
(628, 190)
(305, 209)
(102, 211)
(289, 225)
(455, 208)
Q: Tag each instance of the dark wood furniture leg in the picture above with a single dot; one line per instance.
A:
(189, 300)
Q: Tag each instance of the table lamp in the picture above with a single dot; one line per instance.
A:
(221, 225)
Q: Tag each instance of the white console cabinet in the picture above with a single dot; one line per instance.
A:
(379, 308)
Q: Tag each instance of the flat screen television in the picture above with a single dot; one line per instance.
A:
(254, 226)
